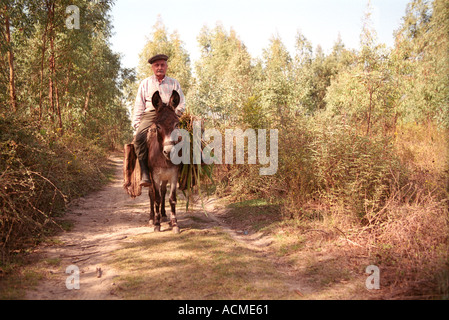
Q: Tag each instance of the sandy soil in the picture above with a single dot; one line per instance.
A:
(102, 221)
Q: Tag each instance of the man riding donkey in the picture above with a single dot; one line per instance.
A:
(145, 113)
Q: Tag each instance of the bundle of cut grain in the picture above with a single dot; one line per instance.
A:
(190, 173)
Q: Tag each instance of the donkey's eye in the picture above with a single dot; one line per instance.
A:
(158, 128)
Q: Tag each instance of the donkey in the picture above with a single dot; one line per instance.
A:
(162, 170)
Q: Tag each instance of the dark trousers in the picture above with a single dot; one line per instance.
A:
(140, 143)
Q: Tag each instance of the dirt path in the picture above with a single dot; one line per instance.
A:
(103, 222)
(108, 225)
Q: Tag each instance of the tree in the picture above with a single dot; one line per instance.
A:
(365, 92)
(160, 41)
(438, 59)
(303, 75)
(224, 82)
(314, 71)
(410, 47)
(67, 80)
(422, 65)
(277, 85)
(7, 36)
(14, 14)
(372, 68)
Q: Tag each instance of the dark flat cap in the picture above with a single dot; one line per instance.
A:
(157, 57)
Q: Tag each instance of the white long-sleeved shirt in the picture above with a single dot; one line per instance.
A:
(146, 90)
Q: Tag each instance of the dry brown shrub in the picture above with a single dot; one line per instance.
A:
(411, 243)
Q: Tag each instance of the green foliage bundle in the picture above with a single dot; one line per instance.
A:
(192, 174)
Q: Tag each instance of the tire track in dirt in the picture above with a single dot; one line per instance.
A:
(260, 244)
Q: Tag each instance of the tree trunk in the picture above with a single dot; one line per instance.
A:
(41, 93)
(53, 78)
(53, 84)
(58, 109)
(50, 13)
(12, 86)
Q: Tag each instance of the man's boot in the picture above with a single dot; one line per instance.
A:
(145, 174)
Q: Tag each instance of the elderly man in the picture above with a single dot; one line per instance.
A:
(144, 112)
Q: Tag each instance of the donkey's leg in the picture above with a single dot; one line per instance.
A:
(172, 200)
(152, 195)
(163, 192)
(157, 199)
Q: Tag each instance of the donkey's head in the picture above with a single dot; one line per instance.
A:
(166, 121)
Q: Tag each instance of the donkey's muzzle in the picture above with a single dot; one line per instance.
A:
(167, 148)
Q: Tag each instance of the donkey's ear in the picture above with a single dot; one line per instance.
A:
(174, 99)
(156, 100)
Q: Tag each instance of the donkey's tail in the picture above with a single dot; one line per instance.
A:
(131, 172)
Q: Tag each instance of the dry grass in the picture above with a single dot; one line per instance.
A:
(412, 234)
(320, 261)
(413, 246)
(408, 238)
(388, 206)
(199, 264)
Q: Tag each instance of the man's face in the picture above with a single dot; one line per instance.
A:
(160, 68)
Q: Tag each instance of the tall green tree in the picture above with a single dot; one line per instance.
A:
(16, 22)
(303, 75)
(160, 41)
(224, 76)
(421, 58)
(277, 85)
(65, 79)
(411, 42)
(439, 60)
(364, 93)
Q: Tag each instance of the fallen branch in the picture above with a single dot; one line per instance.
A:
(346, 238)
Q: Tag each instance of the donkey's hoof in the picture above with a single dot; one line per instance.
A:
(176, 230)
(151, 223)
(157, 229)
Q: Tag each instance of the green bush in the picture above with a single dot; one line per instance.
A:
(322, 159)
(355, 168)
